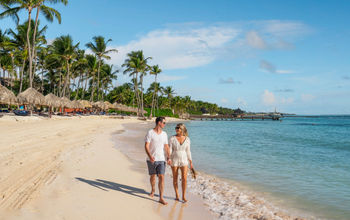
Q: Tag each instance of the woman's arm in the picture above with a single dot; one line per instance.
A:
(188, 152)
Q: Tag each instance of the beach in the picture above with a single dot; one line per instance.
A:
(70, 168)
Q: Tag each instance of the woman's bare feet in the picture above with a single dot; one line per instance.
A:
(151, 194)
(177, 199)
(162, 201)
(184, 200)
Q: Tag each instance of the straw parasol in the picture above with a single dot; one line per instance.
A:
(109, 105)
(65, 102)
(85, 103)
(7, 96)
(100, 105)
(31, 96)
(52, 100)
(77, 104)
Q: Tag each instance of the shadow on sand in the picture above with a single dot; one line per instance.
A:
(107, 185)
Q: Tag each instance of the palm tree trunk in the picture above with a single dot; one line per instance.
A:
(141, 81)
(77, 89)
(29, 52)
(98, 79)
(66, 81)
(34, 34)
(21, 76)
(86, 82)
(93, 88)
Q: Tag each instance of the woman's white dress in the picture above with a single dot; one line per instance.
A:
(180, 153)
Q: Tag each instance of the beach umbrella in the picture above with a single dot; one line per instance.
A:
(52, 100)
(7, 96)
(109, 105)
(65, 102)
(77, 104)
(31, 96)
(85, 103)
(100, 105)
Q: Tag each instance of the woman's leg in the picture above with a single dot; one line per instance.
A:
(184, 182)
(175, 171)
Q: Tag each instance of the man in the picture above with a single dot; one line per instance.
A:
(156, 141)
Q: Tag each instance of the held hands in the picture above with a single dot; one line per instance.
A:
(169, 161)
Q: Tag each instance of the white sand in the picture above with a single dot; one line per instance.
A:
(67, 168)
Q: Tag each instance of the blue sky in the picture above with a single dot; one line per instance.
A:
(256, 55)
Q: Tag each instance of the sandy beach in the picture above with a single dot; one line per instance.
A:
(70, 168)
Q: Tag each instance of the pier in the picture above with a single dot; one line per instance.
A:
(274, 117)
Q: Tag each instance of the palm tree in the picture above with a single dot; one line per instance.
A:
(64, 51)
(19, 40)
(29, 6)
(137, 63)
(91, 73)
(155, 70)
(100, 50)
(107, 77)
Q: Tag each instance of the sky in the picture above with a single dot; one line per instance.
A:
(257, 55)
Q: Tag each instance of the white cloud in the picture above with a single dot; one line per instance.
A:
(189, 45)
(168, 78)
(178, 49)
(255, 41)
(223, 100)
(268, 98)
(269, 67)
(241, 102)
(307, 97)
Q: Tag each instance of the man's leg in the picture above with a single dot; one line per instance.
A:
(161, 188)
(153, 184)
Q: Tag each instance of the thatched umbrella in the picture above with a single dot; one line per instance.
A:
(85, 103)
(109, 105)
(31, 96)
(7, 96)
(65, 102)
(77, 104)
(52, 100)
(100, 105)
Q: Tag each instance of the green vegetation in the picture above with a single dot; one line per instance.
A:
(64, 69)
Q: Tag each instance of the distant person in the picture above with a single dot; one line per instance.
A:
(156, 141)
(180, 155)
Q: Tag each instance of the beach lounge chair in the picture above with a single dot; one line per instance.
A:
(21, 113)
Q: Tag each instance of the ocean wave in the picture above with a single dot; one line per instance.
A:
(227, 201)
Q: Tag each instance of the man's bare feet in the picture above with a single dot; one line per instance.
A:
(151, 194)
(184, 200)
(177, 199)
(162, 201)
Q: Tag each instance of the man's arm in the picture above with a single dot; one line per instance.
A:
(148, 153)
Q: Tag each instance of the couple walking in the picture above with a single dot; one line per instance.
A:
(177, 155)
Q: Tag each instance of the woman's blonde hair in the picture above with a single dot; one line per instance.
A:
(183, 129)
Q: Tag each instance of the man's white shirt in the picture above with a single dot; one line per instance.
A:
(157, 141)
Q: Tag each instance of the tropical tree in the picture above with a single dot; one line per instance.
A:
(155, 70)
(29, 6)
(99, 48)
(135, 64)
(64, 52)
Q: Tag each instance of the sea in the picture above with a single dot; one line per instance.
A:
(298, 166)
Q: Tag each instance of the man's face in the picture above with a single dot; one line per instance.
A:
(162, 123)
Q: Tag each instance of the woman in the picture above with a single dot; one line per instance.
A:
(180, 155)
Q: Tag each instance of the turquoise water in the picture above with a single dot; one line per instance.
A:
(302, 162)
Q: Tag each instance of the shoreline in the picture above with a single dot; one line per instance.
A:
(219, 194)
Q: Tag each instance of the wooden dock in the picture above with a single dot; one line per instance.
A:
(274, 117)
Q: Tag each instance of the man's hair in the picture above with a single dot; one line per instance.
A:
(159, 119)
